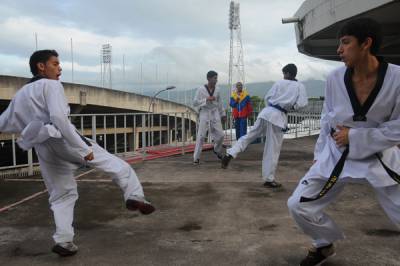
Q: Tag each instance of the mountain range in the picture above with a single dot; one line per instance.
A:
(315, 89)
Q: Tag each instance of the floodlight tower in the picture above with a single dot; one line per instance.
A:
(106, 56)
(236, 63)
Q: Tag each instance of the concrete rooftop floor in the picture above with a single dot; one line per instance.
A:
(205, 216)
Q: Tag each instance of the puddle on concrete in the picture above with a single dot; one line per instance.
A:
(382, 232)
(190, 226)
(201, 240)
(21, 252)
(268, 227)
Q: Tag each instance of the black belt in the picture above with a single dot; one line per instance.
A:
(84, 139)
(337, 170)
(283, 110)
(395, 176)
(333, 178)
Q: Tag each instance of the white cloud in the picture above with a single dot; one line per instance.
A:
(174, 41)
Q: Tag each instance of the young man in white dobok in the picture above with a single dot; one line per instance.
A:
(285, 95)
(208, 101)
(39, 111)
(360, 128)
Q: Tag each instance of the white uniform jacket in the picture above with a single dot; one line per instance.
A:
(209, 110)
(287, 94)
(374, 133)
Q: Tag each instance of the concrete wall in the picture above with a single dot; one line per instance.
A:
(89, 95)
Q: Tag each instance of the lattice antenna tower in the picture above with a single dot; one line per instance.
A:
(106, 60)
(236, 62)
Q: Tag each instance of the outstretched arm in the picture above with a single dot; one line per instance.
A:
(302, 99)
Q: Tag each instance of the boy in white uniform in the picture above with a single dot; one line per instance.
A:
(284, 95)
(211, 111)
(39, 111)
(360, 128)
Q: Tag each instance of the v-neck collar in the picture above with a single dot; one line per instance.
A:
(35, 78)
(359, 110)
(211, 93)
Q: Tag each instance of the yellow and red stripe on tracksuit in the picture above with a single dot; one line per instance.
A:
(241, 109)
(241, 104)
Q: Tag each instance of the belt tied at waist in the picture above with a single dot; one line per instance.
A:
(276, 106)
(337, 170)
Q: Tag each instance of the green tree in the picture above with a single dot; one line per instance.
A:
(257, 103)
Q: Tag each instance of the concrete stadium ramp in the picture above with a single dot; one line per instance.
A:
(319, 21)
(91, 99)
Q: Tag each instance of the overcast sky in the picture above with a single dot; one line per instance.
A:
(175, 41)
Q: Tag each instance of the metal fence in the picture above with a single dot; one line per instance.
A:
(116, 132)
(139, 132)
(300, 123)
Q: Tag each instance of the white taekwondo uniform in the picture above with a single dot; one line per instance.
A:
(210, 114)
(373, 136)
(40, 112)
(271, 122)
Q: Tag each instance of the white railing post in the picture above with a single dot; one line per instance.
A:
(152, 129)
(82, 125)
(190, 125)
(13, 150)
(168, 133)
(183, 132)
(148, 129)
(197, 126)
(105, 132)
(125, 143)
(160, 142)
(94, 128)
(30, 162)
(134, 132)
(143, 135)
(115, 135)
(176, 130)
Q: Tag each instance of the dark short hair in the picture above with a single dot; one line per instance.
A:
(40, 56)
(211, 74)
(291, 69)
(361, 29)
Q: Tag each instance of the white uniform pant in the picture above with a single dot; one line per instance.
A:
(57, 164)
(272, 147)
(216, 133)
(311, 218)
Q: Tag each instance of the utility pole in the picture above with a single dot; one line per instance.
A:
(106, 58)
(36, 42)
(236, 62)
(123, 71)
(72, 63)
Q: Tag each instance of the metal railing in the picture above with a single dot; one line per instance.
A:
(300, 123)
(124, 133)
(118, 133)
(127, 132)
